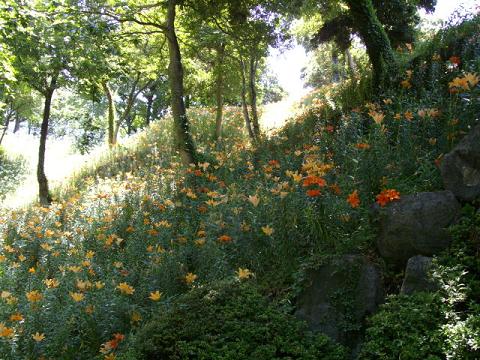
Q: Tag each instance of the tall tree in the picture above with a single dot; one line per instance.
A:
(381, 25)
(159, 17)
(374, 36)
(183, 138)
(254, 27)
(117, 60)
(213, 74)
(246, 114)
(43, 44)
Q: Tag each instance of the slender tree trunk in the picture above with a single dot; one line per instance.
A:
(128, 109)
(43, 191)
(117, 130)
(246, 115)
(149, 107)
(253, 95)
(352, 67)
(150, 97)
(335, 72)
(183, 138)
(378, 45)
(219, 92)
(18, 121)
(111, 114)
(8, 117)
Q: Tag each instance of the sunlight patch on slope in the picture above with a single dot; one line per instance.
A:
(60, 163)
(275, 115)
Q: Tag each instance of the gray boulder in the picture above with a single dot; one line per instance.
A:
(338, 297)
(417, 277)
(460, 168)
(416, 225)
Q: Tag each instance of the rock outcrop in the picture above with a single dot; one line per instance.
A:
(417, 277)
(338, 297)
(460, 168)
(416, 225)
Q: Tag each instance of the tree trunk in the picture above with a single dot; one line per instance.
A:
(219, 92)
(18, 121)
(117, 130)
(129, 125)
(378, 45)
(335, 72)
(150, 98)
(43, 192)
(8, 116)
(183, 138)
(246, 115)
(253, 96)
(149, 107)
(111, 114)
(351, 63)
(128, 109)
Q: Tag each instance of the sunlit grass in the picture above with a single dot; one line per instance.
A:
(275, 115)
(63, 162)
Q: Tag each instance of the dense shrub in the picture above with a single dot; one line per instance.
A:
(458, 271)
(444, 325)
(406, 327)
(231, 321)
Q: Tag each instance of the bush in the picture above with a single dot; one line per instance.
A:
(457, 271)
(406, 327)
(12, 171)
(231, 321)
(444, 325)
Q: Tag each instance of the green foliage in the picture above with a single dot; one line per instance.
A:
(442, 325)
(457, 272)
(12, 172)
(406, 327)
(430, 58)
(136, 222)
(271, 91)
(229, 321)
(42, 42)
(399, 18)
(91, 135)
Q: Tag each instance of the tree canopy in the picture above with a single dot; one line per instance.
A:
(137, 60)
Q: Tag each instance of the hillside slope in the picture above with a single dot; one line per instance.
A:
(141, 258)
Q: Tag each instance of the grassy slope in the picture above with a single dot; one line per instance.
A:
(93, 260)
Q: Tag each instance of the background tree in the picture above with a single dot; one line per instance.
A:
(125, 89)
(271, 90)
(159, 17)
(118, 61)
(7, 71)
(380, 24)
(43, 43)
(214, 80)
(21, 105)
(255, 27)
